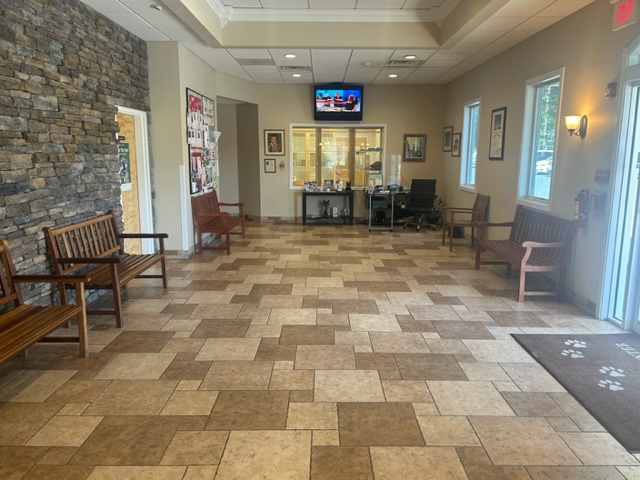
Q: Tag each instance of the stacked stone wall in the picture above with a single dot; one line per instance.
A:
(63, 70)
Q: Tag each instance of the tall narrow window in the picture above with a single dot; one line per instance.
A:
(539, 138)
(469, 151)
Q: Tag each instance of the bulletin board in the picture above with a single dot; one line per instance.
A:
(202, 142)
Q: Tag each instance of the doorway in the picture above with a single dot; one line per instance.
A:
(135, 178)
(621, 299)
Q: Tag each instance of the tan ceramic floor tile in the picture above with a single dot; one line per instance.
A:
(190, 403)
(32, 385)
(416, 463)
(132, 397)
(136, 366)
(326, 357)
(531, 377)
(447, 431)
(312, 416)
(269, 455)
(216, 298)
(497, 351)
(145, 306)
(237, 375)
(64, 431)
(19, 421)
(374, 323)
(522, 441)
(137, 473)
(347, 386)
(180, 325)
(291, 380)
(325, 438)
(78, 391)
(195, 448)
(183, 345)
(598, 449)
(468, 398)
(406, 391)
(326, 293)
(484, 372)
(284, 316)
(398, 343)
(281, 301)
(432, 312)
(228, 349)
(215, 310)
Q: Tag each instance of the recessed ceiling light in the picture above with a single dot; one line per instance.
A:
(156, 7)
(410, 57)
(296, 75)
(393, 75)
(289, 55)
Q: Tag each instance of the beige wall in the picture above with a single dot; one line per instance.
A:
(249, 159)
(590, 61)
(228, 152)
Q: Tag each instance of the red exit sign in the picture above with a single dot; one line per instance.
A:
(625, 13)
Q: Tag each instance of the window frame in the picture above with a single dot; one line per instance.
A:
(527, 153)
(466, 165)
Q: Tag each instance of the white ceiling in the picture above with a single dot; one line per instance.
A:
(351, 41)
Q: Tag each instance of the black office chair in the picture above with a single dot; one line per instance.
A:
(421, 203)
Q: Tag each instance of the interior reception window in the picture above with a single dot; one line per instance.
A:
(336, 155)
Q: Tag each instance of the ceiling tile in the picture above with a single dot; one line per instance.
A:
(303, 56)
(388, 4)
(249, 53)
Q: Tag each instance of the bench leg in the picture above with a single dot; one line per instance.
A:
(83, 338)
(228, 243)
(523, 274)
(451, 237)
(478, 250)
(198, 243)
(443, 231)
(163, 266)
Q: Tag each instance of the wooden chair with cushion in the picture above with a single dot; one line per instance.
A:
(451, 218)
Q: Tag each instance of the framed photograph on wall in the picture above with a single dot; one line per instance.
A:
(269, 165)
(496, 141)
(455, 144)
(447, 133)
(415, 145)
(274, 142)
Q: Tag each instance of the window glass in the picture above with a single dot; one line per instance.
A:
(303, 156)
(469, 152)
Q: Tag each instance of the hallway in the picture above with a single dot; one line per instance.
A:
(326, 352)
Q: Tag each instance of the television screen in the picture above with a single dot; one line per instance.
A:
(337, 102)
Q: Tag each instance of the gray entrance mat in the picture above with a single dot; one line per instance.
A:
(602, 372)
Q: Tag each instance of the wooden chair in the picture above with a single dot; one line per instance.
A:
(451, 218)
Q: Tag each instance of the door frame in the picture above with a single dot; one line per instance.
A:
(143, 171)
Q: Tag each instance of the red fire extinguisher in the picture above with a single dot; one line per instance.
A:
(580, 213)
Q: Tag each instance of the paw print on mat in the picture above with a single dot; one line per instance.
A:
(612, 371)
(575, 344)
(611, 385)
(572, 353)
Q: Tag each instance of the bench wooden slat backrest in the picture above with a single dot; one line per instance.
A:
(9, 291)
(536, 226)
(96, 237)
(204, 203)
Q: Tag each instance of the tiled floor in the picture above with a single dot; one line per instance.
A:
(326, 352)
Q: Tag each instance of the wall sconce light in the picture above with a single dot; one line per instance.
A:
(576, 125)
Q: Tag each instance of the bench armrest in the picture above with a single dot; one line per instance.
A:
(143, 235)
(223, 204)
(212, 214)
(51, 278)
(451, 212)
(88, 260)
(530, 244)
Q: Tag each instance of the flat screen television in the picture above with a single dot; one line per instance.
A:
(339, 102)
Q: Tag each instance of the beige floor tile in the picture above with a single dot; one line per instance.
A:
(446, 346)
(281, 301)
(238, 375)
(132, 397)
(292, 316)
(190, 403)
(406, 391)
(347, 386)
(490, 372)
(291, 380)
(228, 349)
(408, 342)
(409, 298)
(269, 455)
(312, 416)
(522, 441)
(361, 322)
(137, 473)
(352, 338)
(447, 431)
(32, 385)
(264, 331)
(136, 366)
(182, 325)
(62, 431)
(326, 357)
(531, 377)
(195, 448)
(183, 345)
(145, 306)
(218, 299)
(432, 312)
(416, 463)
(340, 293)
(497, 351)
(215, 311)
(78, 391)
(630, 473)
(325, 438)
(598, 449)
(468, 398)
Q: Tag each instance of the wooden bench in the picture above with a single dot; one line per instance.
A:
(95, 246)
(208, 219)
(22, 325)
(538, 242)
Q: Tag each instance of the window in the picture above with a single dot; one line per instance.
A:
(539, 138)
(348, 154)
(469, 151)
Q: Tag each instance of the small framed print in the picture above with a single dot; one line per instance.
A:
(455, 145)
(414, 147)
(274, 142)
(447, 133)
(496, 142)
(269, 165)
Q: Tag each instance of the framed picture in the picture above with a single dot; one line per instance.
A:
(447, 132)
(455, 145)
(414, 147)
(496, 141)
(274, 142)
(269, 165)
